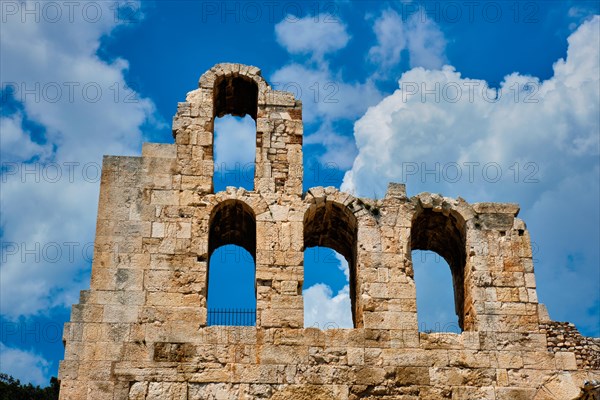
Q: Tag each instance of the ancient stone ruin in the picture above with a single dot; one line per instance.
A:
(141, 330)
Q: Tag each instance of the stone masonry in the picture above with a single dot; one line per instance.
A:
(141, 331)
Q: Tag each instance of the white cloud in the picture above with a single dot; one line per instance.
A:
(86, 110)
(26, 366)
(323, 310)
(312, 35)
(343, 265)
(543, 137)
(325, 94)
(439, 116)
(391, 39)
(339, 150)
(326, 97)
(582, 12)
(235, 140)
(420, 36)
(426, 42)
(16, 144)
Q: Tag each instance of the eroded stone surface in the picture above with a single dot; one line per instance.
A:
(141, 331)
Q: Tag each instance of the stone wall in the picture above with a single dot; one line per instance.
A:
(564, 337)
(141, 331)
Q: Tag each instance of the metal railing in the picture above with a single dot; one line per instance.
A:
(231, 317)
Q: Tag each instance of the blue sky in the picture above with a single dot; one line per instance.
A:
(499, 101)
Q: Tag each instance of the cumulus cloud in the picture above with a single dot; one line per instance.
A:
(324, 310)
(312, 35)
(326, 96)
(528, 140)
(86, 109)
(26, 366)
(439, 116)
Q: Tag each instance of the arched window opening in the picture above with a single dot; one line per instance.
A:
(444, 235)
(330, 240)
(231, 289)
(235, 110)
(434, 299)
(234, 152)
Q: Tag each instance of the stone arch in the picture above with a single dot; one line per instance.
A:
(203, 217)
(254, 201)
(437, 226)
(238, 73)
(233, 89)
(331, 224)
(232, 222)
(235, 95)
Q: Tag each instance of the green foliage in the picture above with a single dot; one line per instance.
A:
(13, 389)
